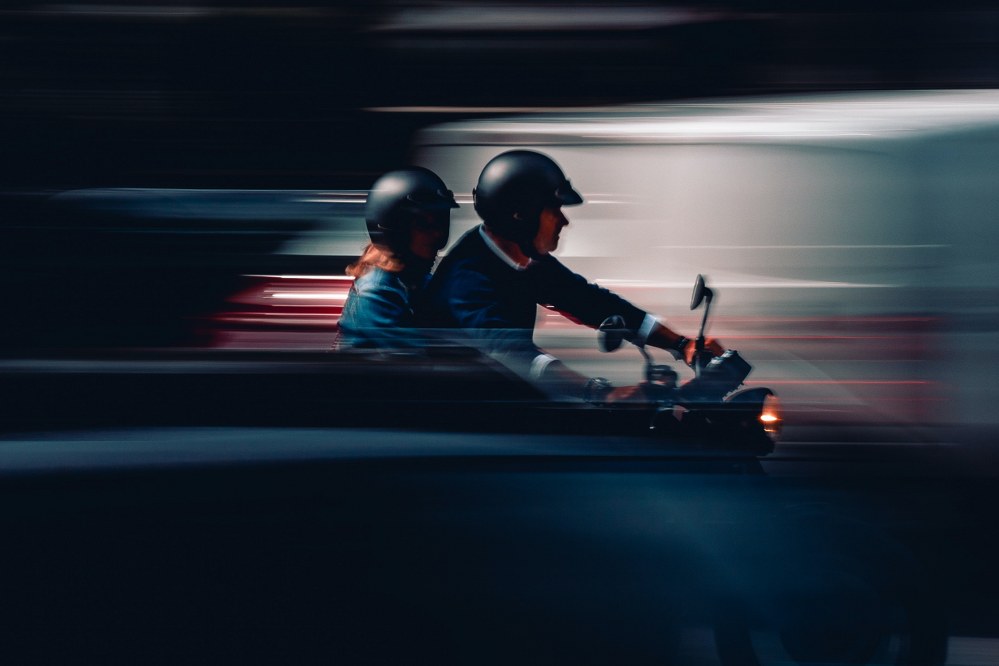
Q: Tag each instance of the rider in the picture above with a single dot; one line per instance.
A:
(492, 280)
(408, 216)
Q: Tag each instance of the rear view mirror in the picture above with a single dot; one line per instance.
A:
(611, 333)
(701, 292)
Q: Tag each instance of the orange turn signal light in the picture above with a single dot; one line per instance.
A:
(770, 416)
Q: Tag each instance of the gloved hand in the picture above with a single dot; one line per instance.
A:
(710, 345)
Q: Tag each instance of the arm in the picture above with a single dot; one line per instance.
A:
(678, 345)
(505, 331)
(378, 314)
(590, 304)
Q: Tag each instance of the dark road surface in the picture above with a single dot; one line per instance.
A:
(379, 545)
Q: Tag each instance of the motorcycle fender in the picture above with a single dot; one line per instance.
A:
(751, 396)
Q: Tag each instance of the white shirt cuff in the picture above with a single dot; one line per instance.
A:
(538, 365)
(646, 328)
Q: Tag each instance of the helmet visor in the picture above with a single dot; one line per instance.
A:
(566, 196)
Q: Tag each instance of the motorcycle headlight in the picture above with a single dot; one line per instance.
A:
(771, 417)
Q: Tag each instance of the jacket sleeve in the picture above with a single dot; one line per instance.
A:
(379, 315)
(583, 301)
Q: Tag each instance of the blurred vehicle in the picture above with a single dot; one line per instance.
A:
(853, 235)
(108, 268)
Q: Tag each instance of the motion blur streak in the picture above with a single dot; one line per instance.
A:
(521, 17)
(849, 237)
(317, 295)
(847, 234)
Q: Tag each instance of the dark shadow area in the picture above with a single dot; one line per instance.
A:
(255, 95)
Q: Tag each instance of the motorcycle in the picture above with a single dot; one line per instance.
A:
(847, 592)
(713, 405)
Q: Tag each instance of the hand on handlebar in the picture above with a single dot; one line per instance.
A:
(710, 345)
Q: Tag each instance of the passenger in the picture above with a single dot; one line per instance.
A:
(491, 282)
(408, 216)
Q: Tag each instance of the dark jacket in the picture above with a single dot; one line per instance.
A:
(496, 304)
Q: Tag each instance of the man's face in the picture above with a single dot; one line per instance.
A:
(552, 221)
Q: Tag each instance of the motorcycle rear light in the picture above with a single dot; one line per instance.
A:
(770, 416)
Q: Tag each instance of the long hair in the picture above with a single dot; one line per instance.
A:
(374, 256)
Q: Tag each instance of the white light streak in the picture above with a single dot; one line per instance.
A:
(479, 109)
(777, 284)
(798, 247)
(346, 200)
(527, 18)
(345, 278)
(309, 296)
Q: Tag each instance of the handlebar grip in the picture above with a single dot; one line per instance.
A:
(701, 359)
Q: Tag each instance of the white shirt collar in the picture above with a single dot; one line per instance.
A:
(498, 251)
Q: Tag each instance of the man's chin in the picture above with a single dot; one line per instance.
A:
(542, 251)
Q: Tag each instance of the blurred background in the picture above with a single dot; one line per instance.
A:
(182, 185)
(193, 174)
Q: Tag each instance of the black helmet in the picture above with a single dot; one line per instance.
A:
(397, 197)
(514, 187)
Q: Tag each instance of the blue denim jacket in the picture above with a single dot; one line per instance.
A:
(378, 313)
